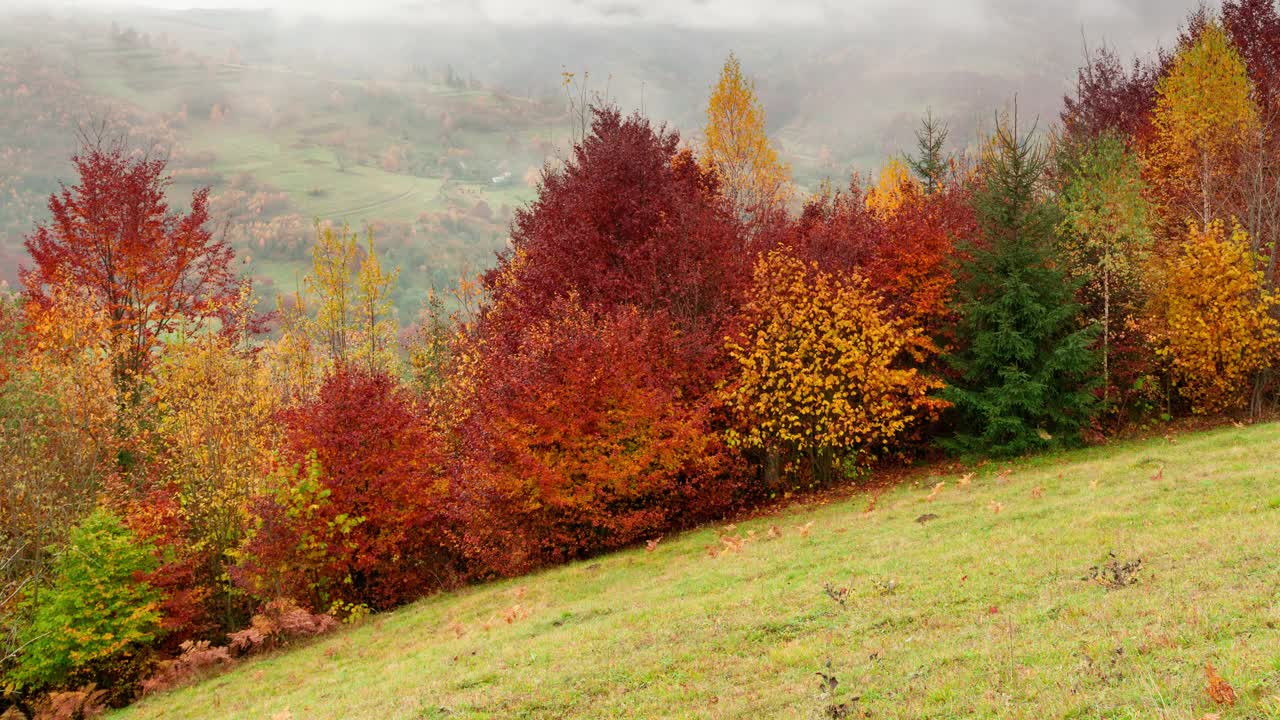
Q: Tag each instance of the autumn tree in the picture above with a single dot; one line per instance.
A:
(822, 373)
(907, 255)
(1105, 236)
(631, 220)
(738, 146)
(333, 263)
(895, 187)
(578, 441)
(353, 319)
(62, 431)
(1110, 97)
(1216, 325)
(1204, 114)
(377, 339)
(380, 519)
(215, 433)
(1024, 368)
(147, 268)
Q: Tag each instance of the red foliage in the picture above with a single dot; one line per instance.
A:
(1254, 28)
(147, 267)
(631, 220)
(1109, 97)
(907, 255)
(155, 516)
(579, 442)
(383, 470)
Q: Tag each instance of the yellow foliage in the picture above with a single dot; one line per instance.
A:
(376, 344)
(895, 187)
(737, 146)
(1204, 112)
(354, 315)
(821, 370)
(216, 435)
(1215, 322)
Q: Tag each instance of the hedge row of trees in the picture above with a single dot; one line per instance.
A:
(665, 341)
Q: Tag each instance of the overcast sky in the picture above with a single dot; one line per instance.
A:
(736, 14)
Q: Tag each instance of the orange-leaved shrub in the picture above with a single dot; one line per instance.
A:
(579, 442)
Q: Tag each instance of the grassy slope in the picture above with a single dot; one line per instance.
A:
(989, 617)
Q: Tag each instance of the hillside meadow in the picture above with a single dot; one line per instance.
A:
(983, 611)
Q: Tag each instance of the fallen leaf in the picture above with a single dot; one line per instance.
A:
(1219, 689)
(804, 529)
(871, 505)
(652, 544)
(934, 493)
(1159, 474)
(965, 479)
(1093, 484)
(1037, 492)
(996, 507)
(775, 532)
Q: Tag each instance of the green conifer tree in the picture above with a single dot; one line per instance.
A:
(930, 164)
(1024, 368)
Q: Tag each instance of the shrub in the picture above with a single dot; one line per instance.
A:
(367, 523)
(578, 442)
(97, 619)
(1215, 323)
(823, 374)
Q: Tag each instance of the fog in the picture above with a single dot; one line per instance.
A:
(402, 113)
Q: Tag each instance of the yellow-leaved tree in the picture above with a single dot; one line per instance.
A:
(216, 433)
(1204, 114)
(1215, 321)
(737, 146)
(822, 374)
(376, 344)
(895, 186)
(354, 319)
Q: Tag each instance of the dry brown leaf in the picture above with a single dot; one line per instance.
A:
(652, 545)
(1037, 492)
(936, 490)
(1219, 689)
(1159, 474)
(965, 479)
(804, 529)
(1093, 484)
(996, 507)
(774, 532)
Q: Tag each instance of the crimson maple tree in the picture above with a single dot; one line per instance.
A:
(149, 268)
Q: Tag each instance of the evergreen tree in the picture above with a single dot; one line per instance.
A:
(1024, 370)
(930, 165)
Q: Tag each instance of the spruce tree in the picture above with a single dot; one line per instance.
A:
(1025, 370)
(930, 165)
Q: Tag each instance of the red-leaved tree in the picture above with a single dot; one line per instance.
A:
(148, 268)
(365, 518)
(631, 220)
(579, 442)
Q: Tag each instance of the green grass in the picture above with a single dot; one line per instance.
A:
(988, 616)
